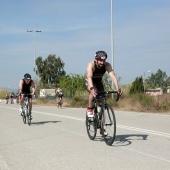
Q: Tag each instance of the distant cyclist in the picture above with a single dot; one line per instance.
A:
(17, 98)
(59, 94)
(26, 86)
(94, 73)
(11, 98)
(7, 98)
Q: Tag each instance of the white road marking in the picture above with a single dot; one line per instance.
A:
(145, 130)
(157, 133)
(2, 161)
(149, 155)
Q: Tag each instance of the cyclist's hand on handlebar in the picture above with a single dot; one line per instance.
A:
(120, 92)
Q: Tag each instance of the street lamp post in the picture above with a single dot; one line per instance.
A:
(34, 31)
(112, 40)
(112, 36)
(144, 80)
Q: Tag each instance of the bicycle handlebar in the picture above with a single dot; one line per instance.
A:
(118, 95)
(108, 92)
(25, 94)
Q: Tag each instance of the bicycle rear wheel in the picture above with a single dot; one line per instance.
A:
(91, 126)
(108, 125)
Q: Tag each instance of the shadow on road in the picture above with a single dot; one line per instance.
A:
(123, 140)
(44, 122)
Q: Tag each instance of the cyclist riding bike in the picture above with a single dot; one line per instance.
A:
(59, 94)
(26, 86)
(7, 98)
(11, 98)
(94, 73)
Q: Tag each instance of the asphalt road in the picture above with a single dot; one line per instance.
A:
(57, 140)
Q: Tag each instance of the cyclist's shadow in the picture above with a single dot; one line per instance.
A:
(44, 122)
(124, 140)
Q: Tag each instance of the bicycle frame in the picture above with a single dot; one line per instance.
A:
(102, 100)
(59, 102)
(26, 112)
(98, 115)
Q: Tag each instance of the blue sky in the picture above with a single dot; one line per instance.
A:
(75, 29)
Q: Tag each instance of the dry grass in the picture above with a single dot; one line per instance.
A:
(159, 104)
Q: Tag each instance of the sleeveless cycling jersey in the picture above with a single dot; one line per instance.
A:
(26, 87)
(98, 74)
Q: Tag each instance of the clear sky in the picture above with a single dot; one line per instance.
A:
(75, 29)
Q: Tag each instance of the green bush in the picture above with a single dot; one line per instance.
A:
(79, 102)
(43, 100)
(146, 100)
(3, 93)
(164, 106)
(112, 101)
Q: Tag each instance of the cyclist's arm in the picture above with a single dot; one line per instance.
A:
(20, 86)
(89, 73)
(33, 87)
(112, 75)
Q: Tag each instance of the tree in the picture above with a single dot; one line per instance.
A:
(137, 86)
(71, 83)
(50, 69)
(157, 80)
(107, 82)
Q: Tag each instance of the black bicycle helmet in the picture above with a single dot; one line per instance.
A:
(27, 76)
(101, 55)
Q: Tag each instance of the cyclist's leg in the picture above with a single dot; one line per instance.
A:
(29, 111)
(100, 96)
(90, 105)
(30, 104)
(21, 102)
(58, 100)
(87, 87)
(61, 99)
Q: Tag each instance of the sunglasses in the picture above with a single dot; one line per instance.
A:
(99, 59)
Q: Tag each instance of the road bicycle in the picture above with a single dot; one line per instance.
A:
(59, 103)
(7, 100)
(26, 115)
(104, 118)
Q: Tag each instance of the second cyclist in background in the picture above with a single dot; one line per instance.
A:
(59, 95)
(26, 86)
(7, 98)
(11, 98)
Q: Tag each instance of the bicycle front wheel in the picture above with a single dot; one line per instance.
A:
(24, 117)
(91, 126)
(28, 117)
(108, 125)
